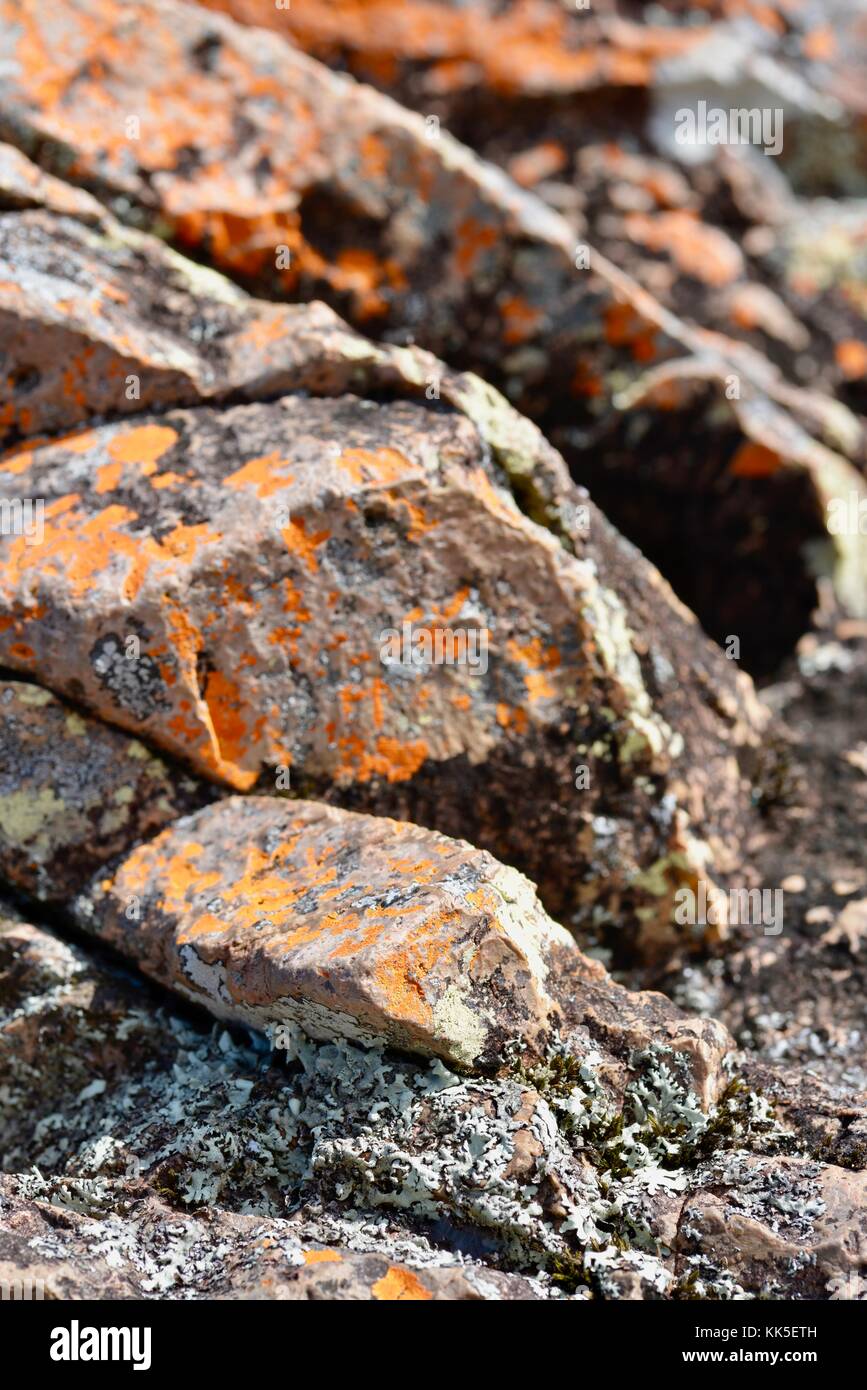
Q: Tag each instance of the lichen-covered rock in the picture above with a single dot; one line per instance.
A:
(24, 185)
(74, 793)
(305, 184)
(780, 1227)
(287, 587)
(174, 1164)
(52, 1246)
(271, 912)
(106, 320)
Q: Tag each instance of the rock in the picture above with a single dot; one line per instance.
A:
(271, 912)
(75, 794)
(780, 1227)
(152, 1159)
(72, 1029)
(120, 1115)
(827, 1121)
(24, 185)
(52, 1251)
(334, 191)
(294, 585)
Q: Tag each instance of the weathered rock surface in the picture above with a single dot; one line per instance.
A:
(52, 1250)
(795, 999)
(24, 185)
(220, 581)
(264, 564)
(334, 191)
(75, 794)
(162, 1162)
(784, 1227)
(273, 912)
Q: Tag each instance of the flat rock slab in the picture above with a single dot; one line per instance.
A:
(75, 793)
(271, 912)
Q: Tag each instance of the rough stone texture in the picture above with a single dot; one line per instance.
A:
(615, 1147)
(351, 926)
(795, 1000)
(726, 237)
(159, 1161)
(24, 185)
(780, 1226)
(258, 148)
(260, 555)
(75, 794)
(63, 1252)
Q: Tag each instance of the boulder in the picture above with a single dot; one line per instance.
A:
(75, 794)
(282, 594)
(302, 183)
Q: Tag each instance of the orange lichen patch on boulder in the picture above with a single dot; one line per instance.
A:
(625, 327)
(704, 252)
(299, 543)
(315, 1257)
(755, 461)
(270, 912)
(851, 358)
(520, 319)
(538, 662)
(399, 1285)
(538, 162)
(226, 705)
(472, 239)
(144, 444)
(819, 44)
(530, 46)
(82, 548)
(267, 475)
(376, 465)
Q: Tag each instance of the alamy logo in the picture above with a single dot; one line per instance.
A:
(416, 647)
(76, 1343)
(711, 906)
(737, 126)
(23, 517)
(847, 516)
(22, 1290)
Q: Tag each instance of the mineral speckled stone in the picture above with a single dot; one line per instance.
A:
(75, 793)
(285, 591)
(353, 926)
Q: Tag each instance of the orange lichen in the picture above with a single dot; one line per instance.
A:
(520, 319)
(624, 327)
(264, 474)
(704, 252)
(317, 1257)
(226, 703)
(851, 358)
(399, 1285)
(296, 540)
(143, 445)
(471, 240)
(754, 461)
(376, 465)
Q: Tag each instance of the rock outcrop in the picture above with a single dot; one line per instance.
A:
(312, 647)
(169, 1163)
(302, 183)
(283, 590)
